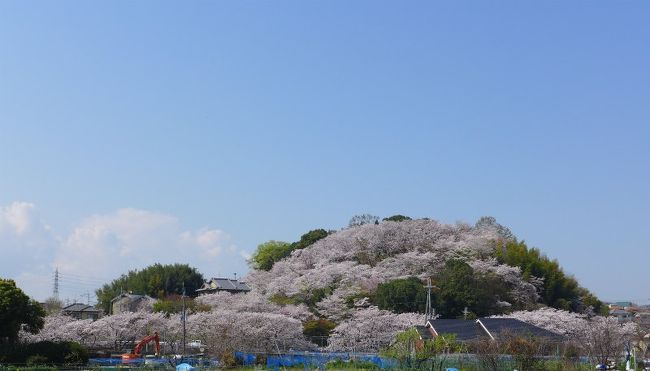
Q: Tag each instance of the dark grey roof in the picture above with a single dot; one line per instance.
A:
(225, 284)
(463, 329)
(80, 307)
(466, 330)
(131, 297)
(501, 326)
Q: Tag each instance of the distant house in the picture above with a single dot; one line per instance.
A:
(127, 302)
(621, 305)
(81, 311)
(622, 315)
(643, 320)
(223, 284)
(491, 328)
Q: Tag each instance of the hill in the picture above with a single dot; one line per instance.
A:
(481, 267)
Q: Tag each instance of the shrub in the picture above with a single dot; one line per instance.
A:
(46, 352)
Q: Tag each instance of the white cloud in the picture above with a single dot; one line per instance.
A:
(104, 246)
(27, 246)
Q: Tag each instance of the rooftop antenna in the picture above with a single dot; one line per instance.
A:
(55, 293)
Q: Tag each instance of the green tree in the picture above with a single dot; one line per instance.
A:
(268, 253)
(401, 295)
(174, 304)
(397, 218)
(460, 288)
(309, 238)
(17, 311)
(318, 330)
(157, 281)
(558, 290)
(414, 353)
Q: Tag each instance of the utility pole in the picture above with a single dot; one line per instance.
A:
(183, 318)
(430, 310)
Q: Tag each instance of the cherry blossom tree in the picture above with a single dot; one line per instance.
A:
(371, 329)
(561, 322)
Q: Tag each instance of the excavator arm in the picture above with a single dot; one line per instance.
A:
(137, 350)
(146, 340)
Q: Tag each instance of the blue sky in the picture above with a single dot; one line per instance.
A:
(210, 127)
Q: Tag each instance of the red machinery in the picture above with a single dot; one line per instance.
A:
(138, 348)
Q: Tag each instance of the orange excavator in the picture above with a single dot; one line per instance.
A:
(138, 348)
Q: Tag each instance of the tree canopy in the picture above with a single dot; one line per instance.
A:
(402, 295)
(17, 311)
(309, 238)
(157, 281)
(270, 252)
(397, 218)
(362, 219)
(460, 288)
(558, 290)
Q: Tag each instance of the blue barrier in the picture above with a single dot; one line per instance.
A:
(312, 359)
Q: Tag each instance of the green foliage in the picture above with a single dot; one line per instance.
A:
(318, 330)
(17, 310)
(411, 352)
(318, 295)
(397, 218)
(559, 290)
(174, 304)
(401, 295)
(282, 299)
(45, 352)
(36, 360)
(157, 281)
(350, 300)
(272, 251)
(459, 288)
(268, 253)
(309, 239)
(350, 365)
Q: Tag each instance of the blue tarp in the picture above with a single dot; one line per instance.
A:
(185, 367)
(311, 359)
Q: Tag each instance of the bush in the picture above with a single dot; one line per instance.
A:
(36, 359)
(401, 295)
(46, 352)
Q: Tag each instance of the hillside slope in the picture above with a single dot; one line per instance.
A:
(340, 273)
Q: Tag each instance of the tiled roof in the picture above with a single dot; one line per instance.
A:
(80, 307)
(500, 326)
(463, 329)
(225, 284)
(466, 330)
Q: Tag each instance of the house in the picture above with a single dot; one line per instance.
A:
(81, 311)
(128, 302)
(622, 315)
(223, 284)
(492, 328)
(643, 320)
